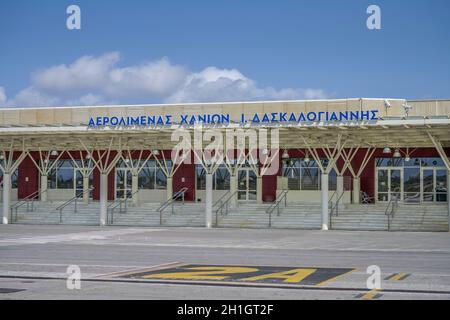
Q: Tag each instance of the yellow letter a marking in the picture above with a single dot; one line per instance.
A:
(290, 276)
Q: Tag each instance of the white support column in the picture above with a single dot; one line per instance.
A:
(6, 197)
(44, 180)
(324, 193)
(85, 188)
(103, 198)
(259, 190)
(134, 188)
(169, 188)
(233, 189)
(208, 200)
(356, 190)
(339, 187)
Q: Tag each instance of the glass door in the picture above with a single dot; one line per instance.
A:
(389, 184)
(78, 178)
(123, 183)
(78, 186)
(434, 185)
(428, 185)
(251, 192)
(441, 187)
(411, 185)
(395, 183)
(246, 185)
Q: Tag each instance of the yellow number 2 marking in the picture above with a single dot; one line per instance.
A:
(203, 273)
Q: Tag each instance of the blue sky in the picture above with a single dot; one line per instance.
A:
(140, 51)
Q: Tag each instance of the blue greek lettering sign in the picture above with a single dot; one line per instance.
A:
(224, 119)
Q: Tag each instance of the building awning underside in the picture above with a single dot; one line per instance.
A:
(394, 133)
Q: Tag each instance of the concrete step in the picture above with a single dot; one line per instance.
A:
(297, 216)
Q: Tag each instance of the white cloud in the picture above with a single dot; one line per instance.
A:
(33, 97)
(87, 72)
(213, 84)
(92, 80)
(154, 79)
(89, 99)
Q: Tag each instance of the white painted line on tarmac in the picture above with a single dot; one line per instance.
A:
(66, 264)
(79, 236)
(243, 246)
(141, 269)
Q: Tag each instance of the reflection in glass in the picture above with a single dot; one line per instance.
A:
(242, 180)
(411, 184)
(304, 175)
(251, 180)
(14, 179)
(161, 180)
(441, 186)
(221, 179)
(383, 181)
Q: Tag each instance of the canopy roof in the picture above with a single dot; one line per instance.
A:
(411, 132)
(68, 128)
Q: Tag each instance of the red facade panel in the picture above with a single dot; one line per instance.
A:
(28, 178)
(185, 177)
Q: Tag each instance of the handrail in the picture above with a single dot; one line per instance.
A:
(175, 197)
(220, 199)
(24, 200)
(331, 198)
(282, 195)
(393, 205)
(114, 204)
(73, 199)
(119, 203)
(336, 204)
(30, 198)
(224, 203)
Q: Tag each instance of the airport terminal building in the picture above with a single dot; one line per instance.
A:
(359, 164)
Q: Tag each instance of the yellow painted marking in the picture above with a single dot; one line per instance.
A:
(398, 276)
(203, 273)
(290, 276)
(370, 295)
(140, 270)
(335, 278)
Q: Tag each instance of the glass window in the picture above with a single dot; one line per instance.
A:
(304, 175)
(160, 179)
(291, 170)
(310, 178)
(221, 178)
(441, 186)
(413, 162)
(14, 179)
(201, 177)
(51, 179)
(151, 176)
(65, 174)
(411, 184)
(389, 162)
(146, 179)
(61, 175)
(432, 162)
(332, 180)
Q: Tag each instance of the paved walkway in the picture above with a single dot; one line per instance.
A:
(34, 259)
